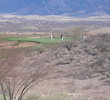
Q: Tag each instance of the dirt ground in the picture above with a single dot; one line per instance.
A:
(101, 30)
(81, 89)
(6, 45)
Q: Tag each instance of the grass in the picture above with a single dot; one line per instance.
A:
(43, 40)
(42, 43)
(40, 48)
(55, 97)
(49, 97)
(1, 97)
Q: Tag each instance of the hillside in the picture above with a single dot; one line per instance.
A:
(78, 70)
(81, 68)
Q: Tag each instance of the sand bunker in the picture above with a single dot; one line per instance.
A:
(13, 45)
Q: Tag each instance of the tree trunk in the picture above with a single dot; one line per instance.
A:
(3, 91)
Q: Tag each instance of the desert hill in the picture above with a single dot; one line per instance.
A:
(56, 7)
(79, 68)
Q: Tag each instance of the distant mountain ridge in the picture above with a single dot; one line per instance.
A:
(56, 7)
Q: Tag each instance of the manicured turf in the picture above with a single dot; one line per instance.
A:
(40, 40)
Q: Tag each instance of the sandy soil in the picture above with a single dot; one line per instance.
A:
(7, 45)
(101, 30)
(83, 89)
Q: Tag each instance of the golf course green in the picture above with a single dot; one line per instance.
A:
(41, 40)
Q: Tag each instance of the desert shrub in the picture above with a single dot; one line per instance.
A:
(48, 97)
(39, 48)
(33, 97)
(68, 46)
(55, 97)
(75, 32)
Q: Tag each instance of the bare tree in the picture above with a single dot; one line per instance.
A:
(16, 80)
(76, 32)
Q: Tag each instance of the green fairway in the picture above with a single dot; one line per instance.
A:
(43, 40)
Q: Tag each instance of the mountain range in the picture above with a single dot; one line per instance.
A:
(56, 7)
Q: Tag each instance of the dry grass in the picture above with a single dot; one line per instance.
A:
(100, 31)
